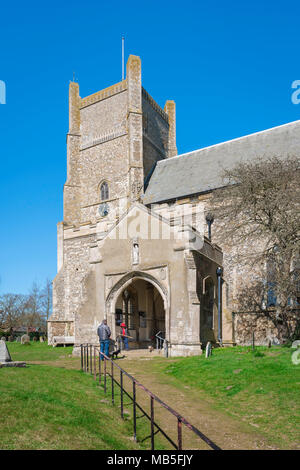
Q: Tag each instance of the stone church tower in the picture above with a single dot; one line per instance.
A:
(115, 137)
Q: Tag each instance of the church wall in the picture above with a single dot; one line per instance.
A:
(155, 132)
(198, 206)
(206, 268)
(238, 273)
(69, 283)
(244, 325)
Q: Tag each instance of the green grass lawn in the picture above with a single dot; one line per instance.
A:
(51, 404)
(36, 351)
(260, 388)
(56, 407)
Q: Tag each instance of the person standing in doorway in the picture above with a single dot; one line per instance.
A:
(104, 335)
(124, 336)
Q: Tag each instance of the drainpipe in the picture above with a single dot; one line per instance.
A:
(219, 275)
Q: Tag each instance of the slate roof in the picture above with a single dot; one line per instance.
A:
(201, 170)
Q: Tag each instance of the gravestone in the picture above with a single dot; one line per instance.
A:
(208, 350)
(296, 344)
(272, 340)
(18, 339)
(41, 339)
(25, 339)
(5, 359)
(3, 338)
(4, 353)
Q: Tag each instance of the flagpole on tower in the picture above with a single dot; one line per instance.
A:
(123, 75)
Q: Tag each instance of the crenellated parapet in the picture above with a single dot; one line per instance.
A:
(103, 94)
(155, 105)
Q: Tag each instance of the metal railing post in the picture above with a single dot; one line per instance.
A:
(81, 358)
(165, 346)
(152, 422)
(134, 409)
(179, 431)
(121, 385)
(91, 359)
(104, 374)
(112, 383)
(99, 367)
(87, 358)
(95, 373)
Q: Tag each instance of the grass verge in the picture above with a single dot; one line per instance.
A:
(53, 407)
(260, 388)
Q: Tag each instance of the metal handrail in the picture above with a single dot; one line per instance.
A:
(87, 364)
(161, 342)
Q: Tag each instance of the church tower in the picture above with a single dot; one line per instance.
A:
(115, 138)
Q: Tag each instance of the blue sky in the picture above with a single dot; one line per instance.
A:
(228, 65)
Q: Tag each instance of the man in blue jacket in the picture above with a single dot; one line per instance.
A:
(104, 335)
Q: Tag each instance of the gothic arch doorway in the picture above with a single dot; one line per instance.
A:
(142, 305)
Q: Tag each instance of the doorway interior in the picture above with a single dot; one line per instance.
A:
(141, 307)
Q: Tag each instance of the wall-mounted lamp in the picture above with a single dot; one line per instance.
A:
(209, 220)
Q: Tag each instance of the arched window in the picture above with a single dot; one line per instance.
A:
(104, 192)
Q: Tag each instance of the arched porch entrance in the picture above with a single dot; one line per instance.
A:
(141, 304)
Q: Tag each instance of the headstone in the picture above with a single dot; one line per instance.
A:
(296, 344)
(34, 338)
(10, 338)
(272, 341)
(41, 339)
(4, 353)
(25, 339)
(3, 338)
(18, 339)
(208, 350)
(5, 359)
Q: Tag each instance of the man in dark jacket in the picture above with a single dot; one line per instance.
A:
(104, 335)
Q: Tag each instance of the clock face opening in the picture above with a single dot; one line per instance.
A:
(103, 209)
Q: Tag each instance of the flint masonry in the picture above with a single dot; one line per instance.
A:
(125, 252)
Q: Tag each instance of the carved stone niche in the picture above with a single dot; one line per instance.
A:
(135, 251)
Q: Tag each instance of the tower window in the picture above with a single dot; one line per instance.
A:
(104, 192)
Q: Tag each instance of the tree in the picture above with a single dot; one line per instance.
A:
(34, 316)
(12, 309)
(46, 298)
(258, 217)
